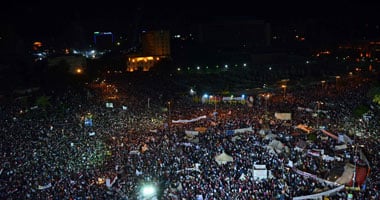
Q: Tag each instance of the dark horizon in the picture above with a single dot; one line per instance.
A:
(44, 19)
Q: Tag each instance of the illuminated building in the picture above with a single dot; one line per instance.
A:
(144, 63)
(155, 46)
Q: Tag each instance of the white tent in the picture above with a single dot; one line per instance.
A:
(223, 158)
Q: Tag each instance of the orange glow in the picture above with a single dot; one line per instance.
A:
(78, 70)
(37, 44)
(138, 59)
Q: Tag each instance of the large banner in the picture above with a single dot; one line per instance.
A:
(243, 130)
(189, 120)
(283, 116)
(240, 130)
(260, 174)
(304, 128)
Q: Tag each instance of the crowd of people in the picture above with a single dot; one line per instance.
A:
(50, 153)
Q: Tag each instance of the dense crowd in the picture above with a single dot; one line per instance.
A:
(49, 152)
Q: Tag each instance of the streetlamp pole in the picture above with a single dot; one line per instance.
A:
(336, 81)
(169, 123)
(266, 103)
(355, 158)
(323, 84)
(317, 115)
(284, 90)
(215, 108)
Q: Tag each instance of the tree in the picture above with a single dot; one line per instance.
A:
(376, 99)
(43, 102)
(360, 110)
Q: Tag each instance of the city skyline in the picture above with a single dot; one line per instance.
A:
(50, 19)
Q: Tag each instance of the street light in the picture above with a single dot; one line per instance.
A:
(318, 108)
(266, 97)
(336, 81)
(323, 83)
(169, 117)
(284, 89)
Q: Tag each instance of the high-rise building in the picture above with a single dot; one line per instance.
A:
(103, 40)
(156, 43)
(155, 46)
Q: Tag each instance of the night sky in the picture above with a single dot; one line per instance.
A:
(46, 19)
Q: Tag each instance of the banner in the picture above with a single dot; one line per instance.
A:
(243, 130)
(43, 187)
(283, 116)
(201, 129)
(329, 134)
(304, 128)
(189, 120)
(191, 133)
(320, 195)
(240, 130)
(260, 174)
(340, 147)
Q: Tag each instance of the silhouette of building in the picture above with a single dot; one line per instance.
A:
(156, 43)
(103, 40)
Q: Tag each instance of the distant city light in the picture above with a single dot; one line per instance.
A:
(192, 92)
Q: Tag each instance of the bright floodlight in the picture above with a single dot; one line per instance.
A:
(148, 191)
(192, 92)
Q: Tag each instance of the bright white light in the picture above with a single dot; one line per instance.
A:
(148, 191)
(205, 96)
(192, 92)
